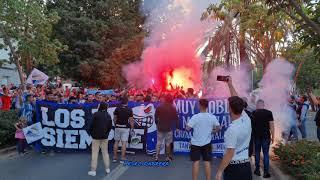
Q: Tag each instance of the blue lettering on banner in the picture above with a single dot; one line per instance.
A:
(147, 163)
(66, 126)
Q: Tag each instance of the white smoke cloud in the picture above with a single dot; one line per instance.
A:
(275, 91)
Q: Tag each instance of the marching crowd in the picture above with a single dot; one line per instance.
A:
(23, 101)
(250, 132)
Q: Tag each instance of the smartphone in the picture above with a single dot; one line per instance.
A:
(222, 78)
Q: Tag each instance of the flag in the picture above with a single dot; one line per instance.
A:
(33, 132)
(37, 77)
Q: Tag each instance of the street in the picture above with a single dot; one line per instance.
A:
(75, 166)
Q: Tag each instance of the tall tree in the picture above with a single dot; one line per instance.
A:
(96, 31)
(305, 13)
(307, 68)
(306, 16)
(26, 26)
(259, 35)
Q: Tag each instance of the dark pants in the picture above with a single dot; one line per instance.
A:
(264, 144)
(251, 145)
(238, 171)
(21, 145)
(318, 132)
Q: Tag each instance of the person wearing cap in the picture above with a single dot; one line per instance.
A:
(236, 163)
(123, 120)
(99, 130)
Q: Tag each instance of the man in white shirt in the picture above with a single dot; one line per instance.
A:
(203, 124)
(235, 163)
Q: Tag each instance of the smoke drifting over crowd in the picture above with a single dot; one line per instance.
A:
(275, 88)
(240, 77)
(169, 56)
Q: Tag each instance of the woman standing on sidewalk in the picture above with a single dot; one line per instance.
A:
(99, 131)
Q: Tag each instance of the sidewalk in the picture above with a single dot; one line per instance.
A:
(276, 173)
(311, 135)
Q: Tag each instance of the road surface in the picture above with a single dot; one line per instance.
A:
(74, 166)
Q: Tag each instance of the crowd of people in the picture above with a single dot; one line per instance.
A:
(250, 133)
(23, 101)
(13, 97)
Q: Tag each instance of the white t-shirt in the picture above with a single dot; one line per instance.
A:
(202, 124)
(238, 136)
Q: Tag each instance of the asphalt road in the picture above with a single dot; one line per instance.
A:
(74, 166)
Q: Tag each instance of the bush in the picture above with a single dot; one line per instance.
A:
(7, 130)
(300, 159)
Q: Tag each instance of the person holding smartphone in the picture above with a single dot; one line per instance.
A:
(236, 163)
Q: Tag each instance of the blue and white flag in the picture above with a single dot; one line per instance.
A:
(33, 133)
(37, 77)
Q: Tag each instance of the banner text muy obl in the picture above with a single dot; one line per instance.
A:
(65, 126)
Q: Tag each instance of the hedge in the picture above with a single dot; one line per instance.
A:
(7, 129)
(300, 159)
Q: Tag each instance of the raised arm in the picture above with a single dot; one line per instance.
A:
(232, 90)
(312, 97)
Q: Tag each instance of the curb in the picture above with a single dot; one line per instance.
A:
(7, 150)
(277, 172)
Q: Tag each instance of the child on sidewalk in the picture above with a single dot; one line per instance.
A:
(21, 139)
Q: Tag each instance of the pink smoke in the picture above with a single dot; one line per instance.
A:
(240, 78)
(170, 53)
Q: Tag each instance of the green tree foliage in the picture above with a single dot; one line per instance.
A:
(306, 16)
(26, 26)
(259, 34)
(101, 35)
(307, 68)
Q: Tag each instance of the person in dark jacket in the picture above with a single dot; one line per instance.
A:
(166, 118)
(99, 131)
